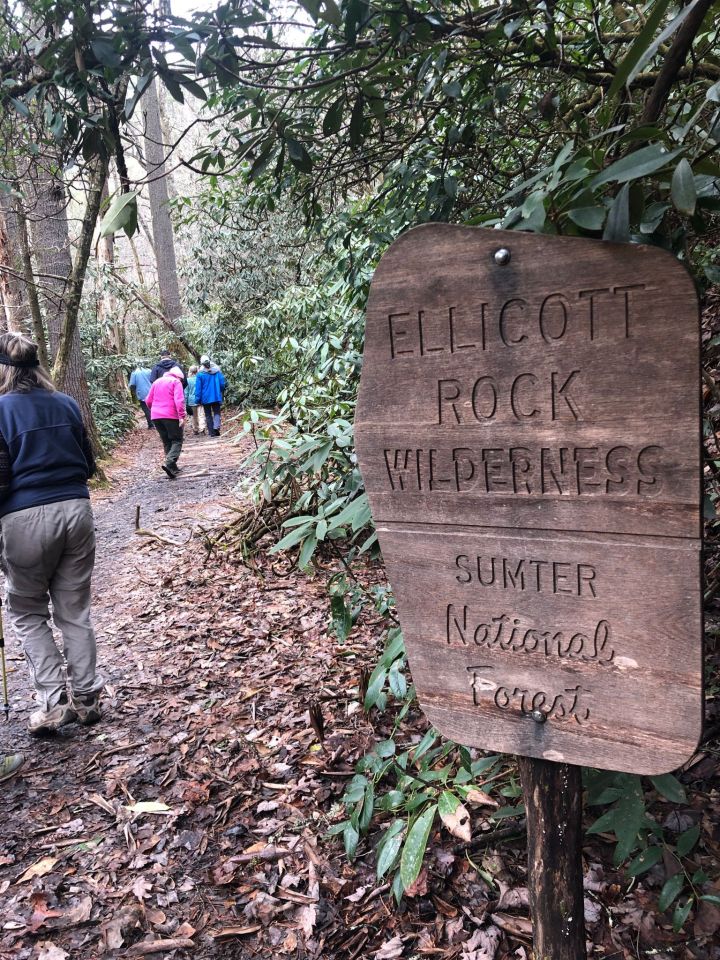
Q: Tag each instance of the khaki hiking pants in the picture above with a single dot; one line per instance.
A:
(48, 553)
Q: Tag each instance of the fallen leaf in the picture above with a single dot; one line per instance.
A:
(390, 950)
(482, 945)
(125, 921)
(458, 822)
(39, 869)
(227, 932)
(41, 912)
(102, 803)
(420, 887)
(512, 897)
(290, 943)
(478, 798)
(515, 926)
(306, 918)
(263, 908)
(157, 916)
(79, 912)
(148, 806)
(707, 919)
(49, 951)
(357, 896)
(141, 888)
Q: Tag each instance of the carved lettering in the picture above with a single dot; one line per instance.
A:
(517, 305)
(510, 634)
(405, 464)
(562, 392)
(617, 464)
(528, 471)
(523, 397)
(451, 330)
(519, 412)
(484, 398)
(547, 309)
(568, 705)
(599, 316)
(650, 483)
(424, 348)
(625, 291)
(397, 332)
(448, 393)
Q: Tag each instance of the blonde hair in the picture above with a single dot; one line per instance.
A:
(21, 349)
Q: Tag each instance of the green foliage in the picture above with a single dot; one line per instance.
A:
(642, 843)
(113, 417)
(121, 215)
(400, 788)
(304, 458)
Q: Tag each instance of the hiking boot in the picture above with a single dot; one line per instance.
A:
(50, 720)
(10, 764)
(87, 709)
(169, 471)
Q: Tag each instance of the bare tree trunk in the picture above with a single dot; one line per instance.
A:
(77, 277)
(11, 269)
(164, 241)
(51, 241)
(36, 321)
(115, 340)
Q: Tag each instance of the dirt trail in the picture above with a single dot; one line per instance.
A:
(171, 509)
(45, 810)
(193, 814)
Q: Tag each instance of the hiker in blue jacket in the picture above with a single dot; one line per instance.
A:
(139, 387)
(209, 393)
(48, 536)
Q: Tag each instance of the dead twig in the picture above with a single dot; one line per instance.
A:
(159, 946)
(142, 532)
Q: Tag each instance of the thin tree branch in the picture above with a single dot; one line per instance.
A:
(674, 61)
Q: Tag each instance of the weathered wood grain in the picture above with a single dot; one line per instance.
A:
(529, 439)
(553, 804)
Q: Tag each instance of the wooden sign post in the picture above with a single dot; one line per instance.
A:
(528, 433)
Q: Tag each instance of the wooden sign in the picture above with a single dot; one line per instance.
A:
(528, 433)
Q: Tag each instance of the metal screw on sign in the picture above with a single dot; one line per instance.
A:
(502, 256)
(538, 716)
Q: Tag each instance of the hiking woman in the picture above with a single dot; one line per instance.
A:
(209, 393)
(193, 411)
(167, 409)
(48, 535)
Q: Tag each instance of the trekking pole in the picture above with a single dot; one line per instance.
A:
(6, 705)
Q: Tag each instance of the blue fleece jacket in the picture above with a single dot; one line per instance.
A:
(48, 452)
(209, 386)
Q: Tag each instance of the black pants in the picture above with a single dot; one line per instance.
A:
(171, 434)
(146, 410)
(212, 418)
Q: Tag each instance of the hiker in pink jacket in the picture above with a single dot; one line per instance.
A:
(166, 401)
